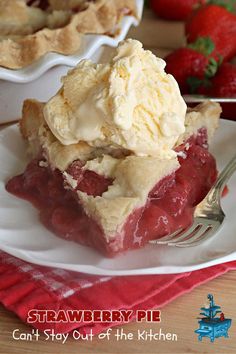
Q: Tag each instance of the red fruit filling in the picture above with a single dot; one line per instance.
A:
(88, 181)
(170, 204)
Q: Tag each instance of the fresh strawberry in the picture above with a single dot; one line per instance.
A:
(217, 23)
(192, 66)
(184, 63)
(223, 84)
(174, 9)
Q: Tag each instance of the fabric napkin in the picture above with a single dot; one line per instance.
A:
(25, 286)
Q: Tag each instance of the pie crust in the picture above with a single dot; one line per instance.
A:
(29, 32)
(109, 200)
(133, 176)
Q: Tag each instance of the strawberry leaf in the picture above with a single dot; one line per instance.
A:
(194, 83)
(203, 45)
(213, 67)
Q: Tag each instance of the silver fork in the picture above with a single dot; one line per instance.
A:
(208, 215)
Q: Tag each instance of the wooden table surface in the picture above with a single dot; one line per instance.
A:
(179, 316)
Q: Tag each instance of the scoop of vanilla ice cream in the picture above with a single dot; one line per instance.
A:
(128, 103)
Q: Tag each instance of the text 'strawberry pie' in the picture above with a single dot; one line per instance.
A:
(31, 28)
(116, 159)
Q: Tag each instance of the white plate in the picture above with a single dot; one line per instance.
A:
(22, 235)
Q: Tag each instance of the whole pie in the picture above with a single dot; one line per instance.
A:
(116, 159)
(31, 28)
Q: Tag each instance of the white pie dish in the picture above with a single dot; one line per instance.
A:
(22, 234)
(41, 80)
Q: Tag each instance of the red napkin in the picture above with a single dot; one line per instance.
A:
(25, 286)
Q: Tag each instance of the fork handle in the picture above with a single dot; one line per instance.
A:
(217, 189)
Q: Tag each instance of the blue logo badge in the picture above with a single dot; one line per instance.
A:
(210, 325)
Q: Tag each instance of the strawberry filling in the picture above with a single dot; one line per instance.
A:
(169, 206)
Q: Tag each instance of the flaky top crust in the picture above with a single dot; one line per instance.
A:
(29, 34)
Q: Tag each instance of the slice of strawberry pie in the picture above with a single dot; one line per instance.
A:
(117, 161)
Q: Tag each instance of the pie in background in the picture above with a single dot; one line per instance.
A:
(31, 28)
